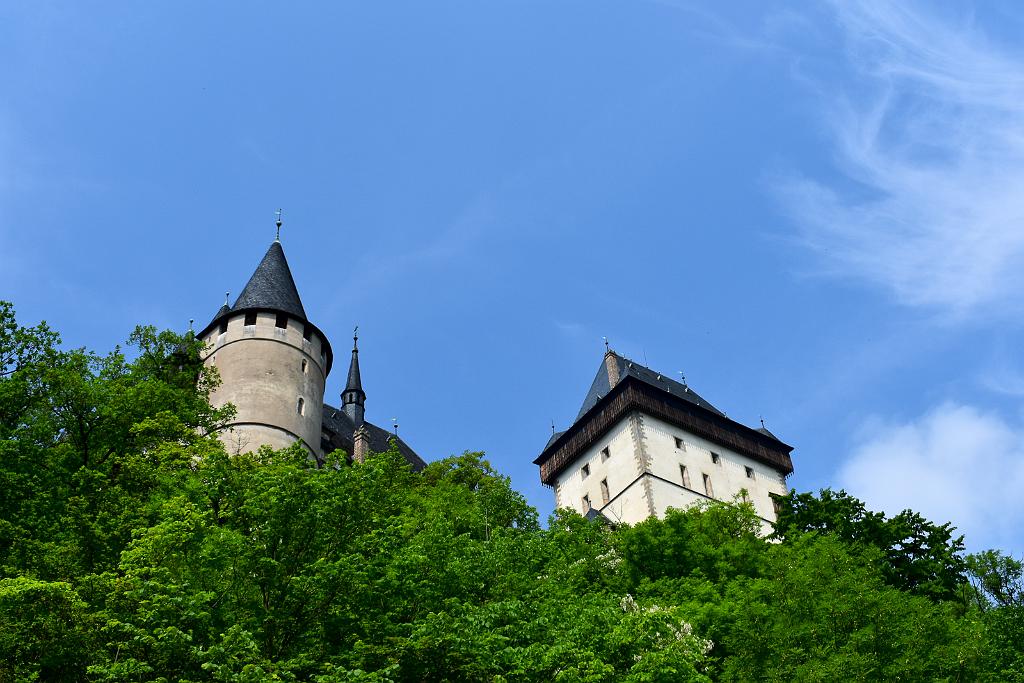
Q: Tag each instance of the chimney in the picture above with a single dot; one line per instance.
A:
(360, 443)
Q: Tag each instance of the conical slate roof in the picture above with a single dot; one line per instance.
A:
(355, 382)
(272, 287)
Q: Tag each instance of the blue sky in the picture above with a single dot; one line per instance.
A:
(816, 214)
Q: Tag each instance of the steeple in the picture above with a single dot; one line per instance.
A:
(353, 398)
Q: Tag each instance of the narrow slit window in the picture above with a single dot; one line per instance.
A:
(585, 471)
(604, 492)
(685, 476)
(300, 406)
(250, 318)
(586, 503)
(605, 454)
(715, 457)
(708, 490)
(282, 321)
(303, 366)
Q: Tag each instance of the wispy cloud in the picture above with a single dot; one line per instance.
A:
(931, 141)
(956, 463)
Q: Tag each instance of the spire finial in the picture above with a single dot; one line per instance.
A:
(607, 348)
(227, 298)
(355, 338)
(762, 423)
(191, 321)
(682, 378)
(278, 223)
(552, 428)
(394, 422)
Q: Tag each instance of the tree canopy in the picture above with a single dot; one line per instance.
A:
(134, 548)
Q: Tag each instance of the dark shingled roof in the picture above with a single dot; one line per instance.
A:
(272, 287)
(767, 433)
(339, 430)
(601, 387)
(554, 438)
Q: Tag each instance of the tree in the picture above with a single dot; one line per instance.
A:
(916, 555)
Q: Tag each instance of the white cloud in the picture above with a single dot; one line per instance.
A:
(932, 135)
(955, 463)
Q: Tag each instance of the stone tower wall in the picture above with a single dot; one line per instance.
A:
(265, 370)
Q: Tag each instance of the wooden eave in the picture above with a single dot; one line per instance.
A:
(632, 394)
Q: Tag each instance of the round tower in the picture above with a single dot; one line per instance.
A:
(273, 362)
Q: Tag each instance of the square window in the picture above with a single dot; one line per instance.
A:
(605, 454)
(715, 457)
(585, 471)
(750, 472)
(282, 321)
(250, 318)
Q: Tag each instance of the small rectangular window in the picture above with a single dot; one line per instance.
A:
(307, 332)
(250, 318)
(604, 491)
(586, 503)
(303, 365)
(715, 457)
(300, 406)
(585, 471)
(710, 492)
(605, 454)
(685, 476)
(680, 444)
(223, 327)
(282, 321)
(750, 472)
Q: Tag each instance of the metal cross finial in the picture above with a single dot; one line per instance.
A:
(682, 377)
(355, 338)
(278, 224)
(606, 347)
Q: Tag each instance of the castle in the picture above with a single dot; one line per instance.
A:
(273, 364)
(641, 443)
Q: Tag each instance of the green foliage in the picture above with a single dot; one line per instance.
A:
(134, 548)
(916, 555)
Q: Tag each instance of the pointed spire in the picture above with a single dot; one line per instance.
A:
(272, 286)
(353, 399)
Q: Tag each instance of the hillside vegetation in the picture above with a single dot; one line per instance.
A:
(133, 548)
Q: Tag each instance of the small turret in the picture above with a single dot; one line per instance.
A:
(353, 399)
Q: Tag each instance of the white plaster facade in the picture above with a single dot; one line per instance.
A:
(274, 376)
(642, 469)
